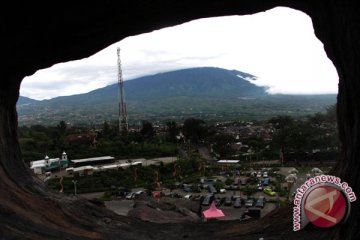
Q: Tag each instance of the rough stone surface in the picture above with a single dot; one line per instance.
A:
(35, 36)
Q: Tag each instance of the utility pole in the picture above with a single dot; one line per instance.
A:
(123, 118)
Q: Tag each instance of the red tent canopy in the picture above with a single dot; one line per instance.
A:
(213, 212)
(156, 194)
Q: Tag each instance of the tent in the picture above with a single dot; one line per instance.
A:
(213, 212)
(316, 170)
(293, 170)
(291, 178)
(156, 194)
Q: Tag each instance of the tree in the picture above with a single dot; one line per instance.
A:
(194, 129)
(330, 114)
(172, 131)
(281, 122)
(62, 128)
(147, 130)
(222, 144)
(283, 126)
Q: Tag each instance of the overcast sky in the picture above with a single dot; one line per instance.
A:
(278, 46)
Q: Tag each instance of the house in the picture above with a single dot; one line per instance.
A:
(84, 138)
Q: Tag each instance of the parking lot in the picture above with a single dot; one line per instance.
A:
(186, 197)
(123, 206)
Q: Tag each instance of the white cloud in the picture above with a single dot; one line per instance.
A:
(278, 46)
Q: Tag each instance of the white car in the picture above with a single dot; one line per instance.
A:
(265, 175)
(130, 195)
(188, 196)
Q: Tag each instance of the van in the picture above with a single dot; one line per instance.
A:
(236, 181)
(212, 189)
(266, 182)
(228, 201)
(243, 181)
(260, 202)
(249, 202)
(237, 203)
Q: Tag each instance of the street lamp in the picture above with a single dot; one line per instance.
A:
(74, 181)
(61, 178)
(60, 168)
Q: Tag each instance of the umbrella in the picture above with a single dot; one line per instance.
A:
(213, 212)
(291, 178)
(316, 170)
(293, 170)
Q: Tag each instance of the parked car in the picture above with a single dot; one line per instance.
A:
(237, 202)
(130, 195)
(265, 175)
(265, 182)
(212, 189)
(187, 188)
(258, 174)
(208, 200)
(188, 196)
(139, 192)
(236, 181)
(249, 202)
(269, 191)
(243, 181)
(228, 201)
(260, 202)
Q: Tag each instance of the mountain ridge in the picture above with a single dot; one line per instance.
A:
(198, 91)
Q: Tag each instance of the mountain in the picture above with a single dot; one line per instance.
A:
(25, 100)
(202, 92)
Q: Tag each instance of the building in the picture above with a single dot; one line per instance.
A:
(49, 164)
(82, 171)
(228, 162)
(89, 169)
(92, 161)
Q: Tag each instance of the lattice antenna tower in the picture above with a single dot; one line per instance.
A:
(123, 117)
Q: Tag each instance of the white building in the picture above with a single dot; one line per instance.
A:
(49, 164)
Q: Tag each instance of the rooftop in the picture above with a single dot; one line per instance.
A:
(94, 159)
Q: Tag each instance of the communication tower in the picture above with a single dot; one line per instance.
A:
(123, 118)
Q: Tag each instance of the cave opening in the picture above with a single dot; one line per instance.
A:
(265, 47)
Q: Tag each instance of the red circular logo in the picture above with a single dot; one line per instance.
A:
(325, 206)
